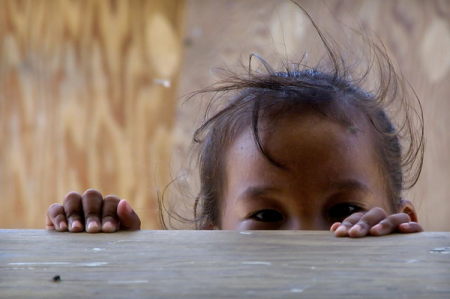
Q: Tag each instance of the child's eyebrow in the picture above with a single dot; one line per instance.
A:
(348, 184)
(344, 184)
(257, 191)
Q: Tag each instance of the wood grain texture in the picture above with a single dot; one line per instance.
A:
(205, 264)
(416, 34)
(86, 100)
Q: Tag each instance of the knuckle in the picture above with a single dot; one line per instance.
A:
(92, 216)
(59, 218)
(72, 193)
(72, 216)
(405, 217)
(111, 198)
(400, 217)
(363, 223)
(92, 193)
(54, 206)
(386, 223)
(352, 219)
(346, 223)
(108, 218)
(379, 211)
(358, 215)
(72, 196)
(54, 210)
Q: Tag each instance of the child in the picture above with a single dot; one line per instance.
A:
(305, 148)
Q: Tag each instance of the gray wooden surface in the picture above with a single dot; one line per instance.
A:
(212, 264)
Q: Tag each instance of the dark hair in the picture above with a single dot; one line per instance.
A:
(329, 88)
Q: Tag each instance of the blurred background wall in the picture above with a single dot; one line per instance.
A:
(87, 99)
(92, 92)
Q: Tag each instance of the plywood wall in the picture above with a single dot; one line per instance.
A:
(86, 100)
(417, 36)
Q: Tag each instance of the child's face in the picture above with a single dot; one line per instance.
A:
(332, 173)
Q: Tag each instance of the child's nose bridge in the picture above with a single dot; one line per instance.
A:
(307, 220)
(298, 224)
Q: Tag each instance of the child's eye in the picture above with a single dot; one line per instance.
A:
(341, 211)
(267, 216)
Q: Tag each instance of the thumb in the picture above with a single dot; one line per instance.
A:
(129, 220)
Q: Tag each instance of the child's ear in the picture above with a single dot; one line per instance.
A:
(408, 208)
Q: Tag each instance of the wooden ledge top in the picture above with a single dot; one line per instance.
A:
(212, 264)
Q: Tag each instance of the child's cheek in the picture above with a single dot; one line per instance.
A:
(250, 224)
(245, 225)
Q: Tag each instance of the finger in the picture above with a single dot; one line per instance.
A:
(92, 207)
(129, 220)
(110, 221)
(410, 227)
(347, 223)
(48, 223)
(74, 211)
(334, 226)
(56, 218)
(390, 224)
(371, 218)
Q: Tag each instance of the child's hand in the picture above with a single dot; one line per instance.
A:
(374, 222)
(92, 212)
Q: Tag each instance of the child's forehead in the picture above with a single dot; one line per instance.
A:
(336, 106)
(314, 151)
(309, 129)
(313, 132)
(312, 141)
(308, 120)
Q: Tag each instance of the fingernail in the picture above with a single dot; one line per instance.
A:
(92, 226)
(341, 230)
(377, 227)
(334, 227)
(405, 225)
(76, 225)
(108, 227)
(356, 229)
(62, 225)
